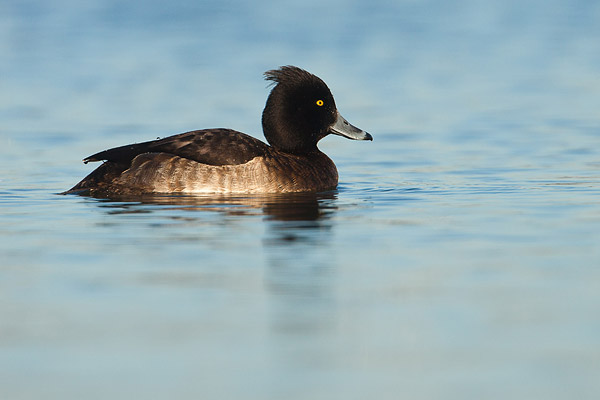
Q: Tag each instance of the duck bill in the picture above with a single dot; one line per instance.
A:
(344, 128)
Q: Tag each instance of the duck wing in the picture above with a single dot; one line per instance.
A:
(207, 146)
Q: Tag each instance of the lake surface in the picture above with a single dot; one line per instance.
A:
(459, 257)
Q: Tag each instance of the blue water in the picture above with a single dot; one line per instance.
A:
(459, 257)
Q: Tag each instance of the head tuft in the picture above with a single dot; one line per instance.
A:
(290, 74)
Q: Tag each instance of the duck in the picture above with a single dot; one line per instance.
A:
(299, 112)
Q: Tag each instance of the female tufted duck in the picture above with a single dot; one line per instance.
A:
(300, 111)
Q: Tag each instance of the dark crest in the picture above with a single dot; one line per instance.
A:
(290, 74)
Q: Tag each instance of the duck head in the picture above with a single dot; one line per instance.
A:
(300, 111)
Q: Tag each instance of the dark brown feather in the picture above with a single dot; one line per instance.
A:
(207, 146)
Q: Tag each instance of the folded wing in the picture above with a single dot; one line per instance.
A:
(207, 146)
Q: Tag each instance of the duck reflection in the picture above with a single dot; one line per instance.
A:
(279, 207)
(296, 244)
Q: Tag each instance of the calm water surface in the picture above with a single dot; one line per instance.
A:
(458, 258)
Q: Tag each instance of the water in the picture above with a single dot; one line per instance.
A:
(457, 259)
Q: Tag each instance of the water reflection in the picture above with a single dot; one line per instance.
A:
(280, 207)
(298, 270)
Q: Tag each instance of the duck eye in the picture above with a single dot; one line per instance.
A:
(320, 103)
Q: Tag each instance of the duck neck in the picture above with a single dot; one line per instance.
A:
(286, 136)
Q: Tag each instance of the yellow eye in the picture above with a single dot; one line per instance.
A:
(320, 103)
